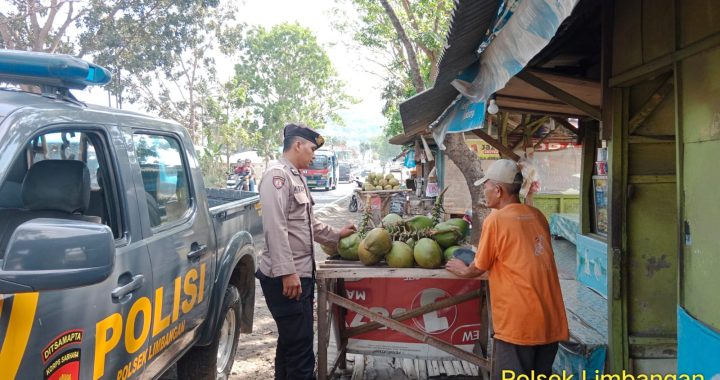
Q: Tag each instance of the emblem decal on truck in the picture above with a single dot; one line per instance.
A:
(65, 367)
(64, 339)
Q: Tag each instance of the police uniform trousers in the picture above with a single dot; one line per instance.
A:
(294, 356)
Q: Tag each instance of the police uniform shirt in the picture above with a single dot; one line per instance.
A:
(289, 224)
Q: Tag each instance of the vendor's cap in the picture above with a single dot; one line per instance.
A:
(501, 171)
(304, 132)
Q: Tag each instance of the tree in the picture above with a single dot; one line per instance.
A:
(182, 91)
(421, 26)
(410, 35)
(128, 36)
(384, 149)
(364, 149)
(289, 78)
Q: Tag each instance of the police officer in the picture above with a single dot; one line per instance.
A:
(287, 264)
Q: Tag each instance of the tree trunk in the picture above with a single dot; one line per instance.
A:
(409, 49)
(469, 164)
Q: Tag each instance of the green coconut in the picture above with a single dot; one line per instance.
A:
(419, 222)
(391, 220)
(460, 223)
(410, 242)
(449, 252)
(428, 254)
(400, 256)
(446, 235)
(348, 247)
(378, 241)
(367, 257)
(389, 177)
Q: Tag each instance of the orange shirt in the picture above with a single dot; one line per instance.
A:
(527, 304)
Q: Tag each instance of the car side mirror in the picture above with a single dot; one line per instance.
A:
(51, 254)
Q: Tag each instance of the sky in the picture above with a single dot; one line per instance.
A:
(362, 120)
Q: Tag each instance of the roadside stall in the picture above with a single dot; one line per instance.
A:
(387, 294)
(369, 312)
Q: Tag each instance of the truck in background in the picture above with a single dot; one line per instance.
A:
(323, 172)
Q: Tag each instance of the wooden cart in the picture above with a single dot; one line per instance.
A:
(332, 305)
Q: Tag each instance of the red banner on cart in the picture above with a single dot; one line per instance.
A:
(458, 324)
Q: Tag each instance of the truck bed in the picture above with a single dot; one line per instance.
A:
(218, 197)
(234, 211)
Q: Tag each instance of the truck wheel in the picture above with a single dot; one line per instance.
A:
(215, 361)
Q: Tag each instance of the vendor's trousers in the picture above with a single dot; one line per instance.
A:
(521, 360)
(294, 356)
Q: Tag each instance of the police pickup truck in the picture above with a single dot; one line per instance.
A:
(115, 261)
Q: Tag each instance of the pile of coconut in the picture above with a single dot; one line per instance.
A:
(376, 181)
(404, 243)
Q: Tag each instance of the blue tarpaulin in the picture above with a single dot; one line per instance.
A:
(410, 159)
(522, 29)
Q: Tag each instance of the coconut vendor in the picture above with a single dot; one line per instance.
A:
(528, 313)
(287, 264)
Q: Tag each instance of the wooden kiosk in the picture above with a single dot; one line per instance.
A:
(333, 305)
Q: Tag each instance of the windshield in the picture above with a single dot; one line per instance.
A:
(319, 162)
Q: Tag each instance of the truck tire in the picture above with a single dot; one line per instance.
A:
(215, 361)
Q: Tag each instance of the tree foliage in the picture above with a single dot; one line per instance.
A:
(128, 36)
(410, 35)
(384, 150)
(185, 90)
(398, 27)
(288, 78)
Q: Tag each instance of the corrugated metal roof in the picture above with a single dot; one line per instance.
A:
(470, 21)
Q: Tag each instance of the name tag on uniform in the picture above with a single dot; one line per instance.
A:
(301, 197)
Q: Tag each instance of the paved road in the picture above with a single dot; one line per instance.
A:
(323, 197)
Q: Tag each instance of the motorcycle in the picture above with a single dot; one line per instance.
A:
(355, 199)
(238, 181)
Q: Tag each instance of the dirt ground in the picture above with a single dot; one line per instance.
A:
(256, 351)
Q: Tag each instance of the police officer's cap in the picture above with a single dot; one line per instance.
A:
(304, 132)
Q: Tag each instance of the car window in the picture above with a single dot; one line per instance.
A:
(164, 176)
(87, 145)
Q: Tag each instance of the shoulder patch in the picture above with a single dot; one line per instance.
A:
(278, 181)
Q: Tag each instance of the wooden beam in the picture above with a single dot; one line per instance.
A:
(504, 125)
(662, 64)
(447, 302)
(409, 331)
(529, 130)
(520, 104)
(650, 105)
(496, 144)
(544, 137)
(535, 125)
(339, 359)
(560, 94)
(567, 125)
(323, 328)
